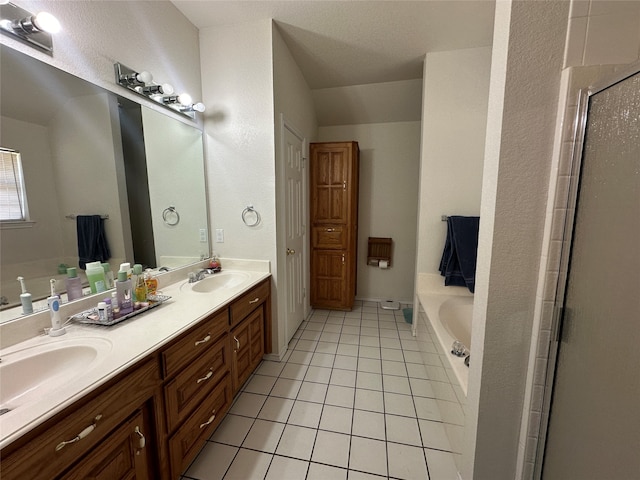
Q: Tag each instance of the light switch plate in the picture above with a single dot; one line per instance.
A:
(219, 235)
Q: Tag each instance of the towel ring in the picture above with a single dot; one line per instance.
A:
(167, 213)
(247, 210)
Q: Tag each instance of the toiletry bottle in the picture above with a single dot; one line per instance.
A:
(102, 312)
(151, 282)
(73, 284)
(123, 289)
(25, 298)
(115, 308)
(126, 267)
(54, 310)
(109, 307)
(95, 274)
(214, 263)
(140, 291)
(108, 276)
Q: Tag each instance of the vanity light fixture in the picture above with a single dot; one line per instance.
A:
(142, 84)
(32, 29)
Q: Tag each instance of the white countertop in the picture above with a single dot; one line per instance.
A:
(131, 341)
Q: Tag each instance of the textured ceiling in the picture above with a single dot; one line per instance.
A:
(342, 43)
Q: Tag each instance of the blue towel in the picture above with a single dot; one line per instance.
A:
(92, 240)
(458, 263)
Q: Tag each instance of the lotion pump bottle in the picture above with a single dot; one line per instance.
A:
(54, 310)
(25, 298)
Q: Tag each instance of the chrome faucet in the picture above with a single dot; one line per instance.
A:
(196, 277)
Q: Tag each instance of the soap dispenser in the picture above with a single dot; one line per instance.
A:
(54, 310)
(25, 298)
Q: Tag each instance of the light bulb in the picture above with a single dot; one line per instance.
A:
(184, 99)
(46, 22)
(167, 89)
(199, 107)
(144, 77)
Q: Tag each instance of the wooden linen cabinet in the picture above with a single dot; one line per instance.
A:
(333, 188)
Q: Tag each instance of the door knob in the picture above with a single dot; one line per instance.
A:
(290, 251)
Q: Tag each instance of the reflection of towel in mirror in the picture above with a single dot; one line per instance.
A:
(458, 264)
(92, 240)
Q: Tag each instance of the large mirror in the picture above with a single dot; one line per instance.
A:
(87, 151)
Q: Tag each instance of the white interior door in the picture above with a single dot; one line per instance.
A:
(295, 230)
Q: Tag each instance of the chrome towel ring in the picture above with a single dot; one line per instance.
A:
(170, 216)
(250, 222)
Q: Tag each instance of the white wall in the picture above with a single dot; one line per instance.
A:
(456, 90)
(389, 164)
(528, 47)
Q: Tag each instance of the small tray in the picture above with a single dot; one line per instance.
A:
(91, 317)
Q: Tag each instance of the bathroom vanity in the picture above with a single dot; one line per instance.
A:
(167, 383)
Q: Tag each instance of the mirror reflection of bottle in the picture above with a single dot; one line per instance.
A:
(73, 284)
(123, 289)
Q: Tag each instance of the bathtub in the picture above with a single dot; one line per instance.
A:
(448, 312)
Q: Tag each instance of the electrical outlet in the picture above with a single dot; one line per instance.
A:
(219, 235)
(203, 235)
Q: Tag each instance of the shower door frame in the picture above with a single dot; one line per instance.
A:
(579, 131)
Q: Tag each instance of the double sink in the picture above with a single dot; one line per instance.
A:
(29, 374)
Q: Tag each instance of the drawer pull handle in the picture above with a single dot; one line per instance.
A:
(142, 442)
(255, 300)
(204, 340)
(331, 229)
(237, 343)
(206, 377)
(211, 419)
(81, 435)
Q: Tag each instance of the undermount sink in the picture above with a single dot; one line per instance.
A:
(28, 374)
(218, 281)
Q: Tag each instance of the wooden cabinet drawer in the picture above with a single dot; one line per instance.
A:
(244, 305)
(185, 444)
(45, 455)
(191, 386)
(194, 343)
(247, 342)
(329, 237)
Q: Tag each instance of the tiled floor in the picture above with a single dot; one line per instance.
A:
(351, 399)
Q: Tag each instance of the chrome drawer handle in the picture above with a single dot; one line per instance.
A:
(142, 442)
(81, 435)
(206, 377)
(237, 343)
(255, 300)
(211, 419)
(331, 229)
(204, 340)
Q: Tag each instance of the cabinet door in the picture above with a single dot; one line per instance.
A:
(241, 348)
(256, 337)
(329, 279)
(122, 455)
(329, 184)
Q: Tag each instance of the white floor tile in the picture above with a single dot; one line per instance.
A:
(370, 400)
(311, 335)
(437, 374)
(423, 388)
(369, 341)
(397, 404)
(350, 350)
(305, 414)
(345, 378)
(325, 472)
(249, 465)
(312, 392)
(371, 381)
(336, 419)
(349, 339)
(340, 396)
(368, 424)
(272, 369)
(329, 337)
(350, 330)
(451, 412)
(306, 345)
(394, 384)
(332, 328)
(407, 462)
(354, 475)
(369, 365)
(287, 469)
(286, 388)
(389, 338)
(318, 374)
(212, 462)
(394, 368)
(403, 430)
(323, 359)
(264, 436)
(331, 449)
(392, 354)
(327, 347)
(248, 404)
(276, 409)
(297, 442)
(369, 352)
(368, 455)
(434, 435)
(427, 409)
(300, 356)
(444, 391)
(232, 430)
(417, 371)
(344, 362)
(294, 371)
(441, 465)
(260, 384)
(412, 356)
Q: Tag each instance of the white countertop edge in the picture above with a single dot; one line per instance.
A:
(132, 340)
